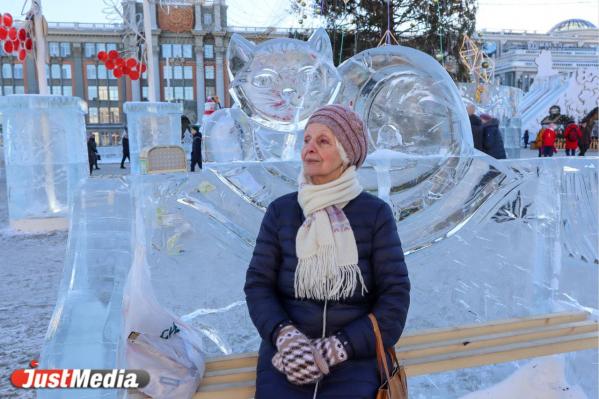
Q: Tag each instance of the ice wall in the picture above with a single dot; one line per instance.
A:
(46, 158)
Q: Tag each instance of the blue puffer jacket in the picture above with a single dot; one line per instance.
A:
(270, 297)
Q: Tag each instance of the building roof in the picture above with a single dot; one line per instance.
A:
(572, 24)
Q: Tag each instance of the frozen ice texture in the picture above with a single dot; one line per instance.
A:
(86, 327)
(279, 83)
(227, 135)
(151, 124)
(45, 153)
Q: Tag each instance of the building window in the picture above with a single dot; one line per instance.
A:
(53, 49)
(6, 71)
(209, 70)
(178, 72)
(91, 72)
(113, 92)
(56, 90)
(168, 72)
(89, 50)
(93, 115)
(167, 51)
(188, 72)
(102, 72)
(65, 49)
(114, 115)
(8, 90)
(55, 71)
(144, 93)
(67, 90)
(188, 93)
(104, 115)
(177, 51)
(207, 19)
(209, 51)
(103, 93)
(19, 89)
(92, 93)
(18, 71)
(187, 53)
(66, 71)
(210, 91)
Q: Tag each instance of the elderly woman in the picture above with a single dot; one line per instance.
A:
(325, 257)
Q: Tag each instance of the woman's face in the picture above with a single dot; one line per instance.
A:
(321, 159)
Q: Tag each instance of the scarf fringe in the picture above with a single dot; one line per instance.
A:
(319, 277)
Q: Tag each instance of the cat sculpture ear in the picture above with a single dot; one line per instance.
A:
(239, 52)
(320, 42)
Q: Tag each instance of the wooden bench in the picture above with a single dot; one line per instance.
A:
(439, 350)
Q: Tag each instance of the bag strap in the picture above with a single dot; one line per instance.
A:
(380, 350)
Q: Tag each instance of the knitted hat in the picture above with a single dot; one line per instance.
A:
(347, 127)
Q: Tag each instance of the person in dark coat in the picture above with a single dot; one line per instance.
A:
(526, 138)
(196, 150)
(126, 154)
(476, 127)
(92, 153)
(325, 257)
(492, 140)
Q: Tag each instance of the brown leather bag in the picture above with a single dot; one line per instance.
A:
(394, 385)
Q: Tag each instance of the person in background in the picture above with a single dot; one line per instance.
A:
(125, 143)
(572, 134)
(92, 153)
(538, 143)
(548, 139)
(526, 138)
(476, 127)
(492, 140)
(196, 149)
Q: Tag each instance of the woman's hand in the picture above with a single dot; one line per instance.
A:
(331, 349)
(297, 358)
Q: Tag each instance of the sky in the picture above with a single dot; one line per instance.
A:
(531, 15)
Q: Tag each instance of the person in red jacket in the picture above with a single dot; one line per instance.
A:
(572, 135)
(549, 141)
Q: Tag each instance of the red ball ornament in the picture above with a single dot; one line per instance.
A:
(8, 47)
(119, 62)
(134, 75)
(103, 56)
(29, 44)
(110, 64)
(12, 33)
(22, 54)
(131, 62)
(143, 68)
(113, 54)
(16, 44)
(118, 72)
(7, 20)
(126, 70)
(3, 33)
(22, 33)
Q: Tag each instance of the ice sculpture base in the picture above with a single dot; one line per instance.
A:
(41, 225)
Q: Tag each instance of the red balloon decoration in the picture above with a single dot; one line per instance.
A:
(103, 56)
(134, 75)
(119, 62)
(22, 54)
(15, 45)
(118, 72)
(113, 54)
(12, 33)
(8, 47)
(110, 64)
(126, 70)
(3, 33)
(29, 44)
(22, 33)
(131, 62)
(7, 20)
(143, 68)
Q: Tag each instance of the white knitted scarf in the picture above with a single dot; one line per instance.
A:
(325, 244)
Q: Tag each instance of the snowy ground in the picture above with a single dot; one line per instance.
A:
(31, 268)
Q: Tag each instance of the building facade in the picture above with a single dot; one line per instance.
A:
(190, 42)
(573, 44)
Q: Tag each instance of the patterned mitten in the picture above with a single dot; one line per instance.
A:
(300, 361)
(331, 349)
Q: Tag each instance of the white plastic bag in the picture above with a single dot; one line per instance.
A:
(157, 340)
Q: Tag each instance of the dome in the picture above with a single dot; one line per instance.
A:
(572, 24)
